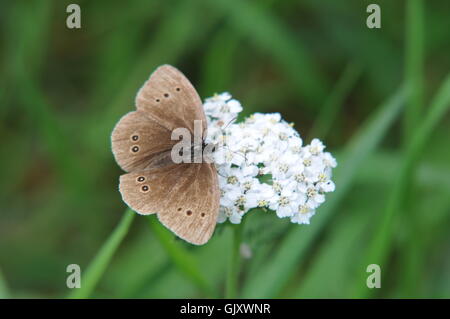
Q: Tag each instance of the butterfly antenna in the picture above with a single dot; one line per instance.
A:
(223, 134)
(240, 154)
(220, 174)
(230, 122)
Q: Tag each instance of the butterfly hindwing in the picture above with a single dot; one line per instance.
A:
(185, 196)
(192, 213)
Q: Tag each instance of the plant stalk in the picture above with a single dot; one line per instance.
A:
(231, 287)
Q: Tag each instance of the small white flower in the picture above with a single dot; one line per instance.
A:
(324, 183)
(313, 197)
(286, 201)
(302, 215)
(233, 214)
(262, 196)
(222, 107)
(316, 147)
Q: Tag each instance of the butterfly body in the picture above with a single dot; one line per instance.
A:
(185, 196)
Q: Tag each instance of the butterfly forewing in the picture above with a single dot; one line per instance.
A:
(170, 98)
(138, 142)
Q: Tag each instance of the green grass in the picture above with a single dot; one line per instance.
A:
(379, 249)
(182, 258)
(102, 259)
(4, 292)
(378, 99)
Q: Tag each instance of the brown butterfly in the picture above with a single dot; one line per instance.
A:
(185, 196)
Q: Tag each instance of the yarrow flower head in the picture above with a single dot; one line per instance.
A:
(262, 163)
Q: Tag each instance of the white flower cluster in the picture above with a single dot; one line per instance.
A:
(262, 162)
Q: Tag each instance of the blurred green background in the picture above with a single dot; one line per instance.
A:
(376, 97)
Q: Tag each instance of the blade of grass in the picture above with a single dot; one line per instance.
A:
(429, 175)
(117, 53)
(273, 275)
(414, 64)
(157, 285)
(185, 262)
(27, 35)
(217, 74)
(216, 71)
(4, 291)
(272, 36)
(40, 113)
(344, 240)
(145, 256)
(377, 52)
(380, 246)
(334, 102)
(414, 80)
(26, 52)
(177, 34)
(101, 261)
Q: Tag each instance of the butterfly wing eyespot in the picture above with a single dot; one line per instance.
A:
(140, 179)
(145, 188)
(166, 95)
(189, 212)
(134, 137)
(135, 149)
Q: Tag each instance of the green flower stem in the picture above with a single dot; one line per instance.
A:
(231, 287)
(103, 257)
